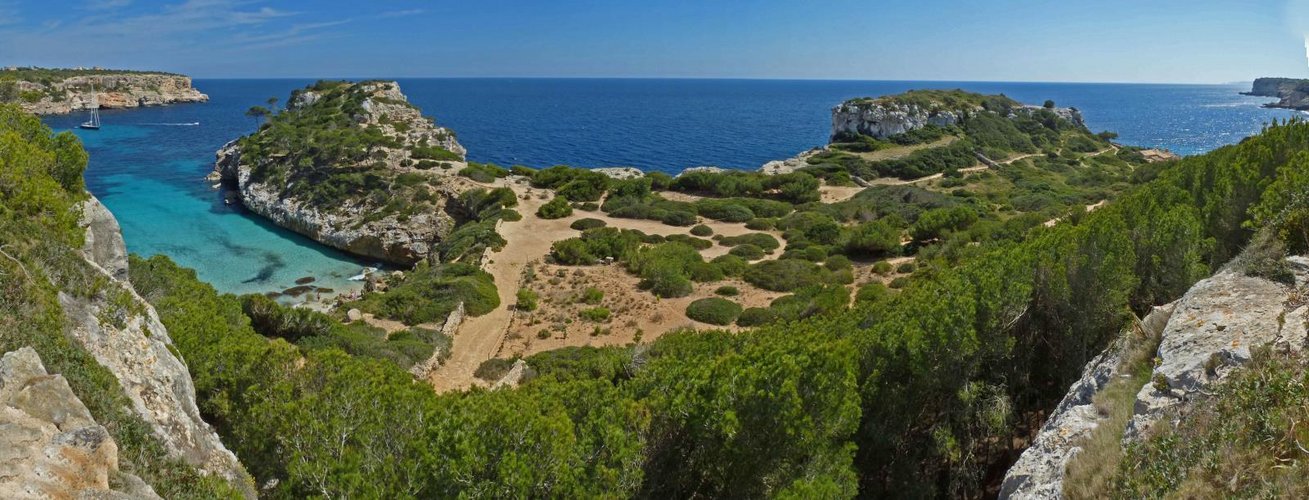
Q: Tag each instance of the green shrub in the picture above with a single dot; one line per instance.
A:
(882, 267)
(591, 295)
(691, 241)
(596, 314)
(905, 268)
(484, 173)
(727, 291)
(761, 224)
(586, 223)
(786, 275)
(731, 265)
(557, 208)
(430, 292)
(702, 230)
(899, 283)
(764, 241)
(872, 292)
(678, 218)
(756, 316)
(713, 310)
(747, 251)
(494, 369)
(291, 323)
(873, 238)
(527, 300)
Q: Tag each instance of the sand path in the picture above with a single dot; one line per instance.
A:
(480, 338)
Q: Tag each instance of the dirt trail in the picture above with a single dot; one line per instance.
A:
(1089, 208)
(480, 338)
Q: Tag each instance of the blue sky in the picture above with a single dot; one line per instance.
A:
(994, 40)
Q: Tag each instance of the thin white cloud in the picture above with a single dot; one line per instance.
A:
(399, 13)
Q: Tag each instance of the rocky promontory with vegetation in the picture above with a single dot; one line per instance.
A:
(57, 91)
(1291, 93)
(353, 166)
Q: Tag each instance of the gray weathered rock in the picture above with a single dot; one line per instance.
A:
(50, 446)
(621, 173)
(104, 240)
(1209, 334)
(514, 377)
(881, 120)
(1039, 472)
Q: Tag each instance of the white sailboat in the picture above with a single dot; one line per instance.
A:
(94, 122)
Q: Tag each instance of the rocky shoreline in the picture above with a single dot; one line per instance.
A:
(1291, 93)
(355, 224)
(111, 91)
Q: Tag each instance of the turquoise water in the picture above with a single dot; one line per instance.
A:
(148, 165)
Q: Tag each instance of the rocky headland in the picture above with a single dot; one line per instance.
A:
(354, 166)
(49, 91)
(1291, 93)
(884, 117)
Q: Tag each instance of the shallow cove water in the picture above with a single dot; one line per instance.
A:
(148, 165)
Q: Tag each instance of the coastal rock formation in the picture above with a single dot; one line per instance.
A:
(1292, 93)
(112, 90)
(1039, 472)
(123, 333)
(1206, 335)
(884, 117)
(50, 445)
(383, 196)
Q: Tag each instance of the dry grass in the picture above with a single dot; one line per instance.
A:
(1091, 471)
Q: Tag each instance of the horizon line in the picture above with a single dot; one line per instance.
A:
(503, 77)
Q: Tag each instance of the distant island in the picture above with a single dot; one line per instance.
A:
(1292, 93)
(50, 91)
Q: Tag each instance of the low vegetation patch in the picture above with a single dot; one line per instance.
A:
(713, 310)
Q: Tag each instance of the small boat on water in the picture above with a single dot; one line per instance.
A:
(94, 122)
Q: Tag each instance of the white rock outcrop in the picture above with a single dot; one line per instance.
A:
(352, 225)
(884, 119)
(112, 91)
(123, 333)
(1207, 335)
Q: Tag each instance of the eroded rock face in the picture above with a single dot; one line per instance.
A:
(353, 224)
(1292, 93)
(104, 239)
(112, 91)
(1039, 472)
(1208, 334)
(50, 446)
(123, 333)
(882, 120)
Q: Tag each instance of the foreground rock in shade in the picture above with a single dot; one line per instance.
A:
(50, 446)
(389, 204)
(112, 90)
(1206, 335)
(123, 333)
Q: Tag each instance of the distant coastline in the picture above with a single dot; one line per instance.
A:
(47, 91)
(1291, 93)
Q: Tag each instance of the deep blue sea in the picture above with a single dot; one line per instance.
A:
(148, 165)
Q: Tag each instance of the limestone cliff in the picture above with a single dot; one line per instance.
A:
(123, 333)
(1292, 93)
(885, 117)
(1206, 335)
(50, 445)
(41, 93)
(374, 182)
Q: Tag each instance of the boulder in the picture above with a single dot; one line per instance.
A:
(50, 446)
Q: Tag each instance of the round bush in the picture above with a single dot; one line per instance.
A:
(899, 283)
(731, 265)
(747, 251)
(727, 291)
(587, 223)
(702, 230)
(714, 310)
(872, 292)
(761, 223)
(756, 316)
(786, 275)
(906, 268)
(882, 267)
(677, 218)
(557, 208)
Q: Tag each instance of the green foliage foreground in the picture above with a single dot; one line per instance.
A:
(912, 394)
